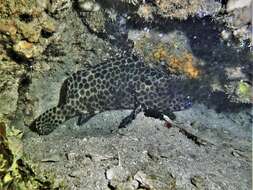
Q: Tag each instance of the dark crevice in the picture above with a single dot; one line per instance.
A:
(25, 17)
(53, 50)
(18, 58)
(25, 81)
(223, 3)
(222, 103)
(23, 88)
(46, 34)
(14, 56)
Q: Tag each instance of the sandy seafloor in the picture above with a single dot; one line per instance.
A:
(82, 155)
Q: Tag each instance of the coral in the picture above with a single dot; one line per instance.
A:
(92, 15)
(30, 31)
(142, 44)
(239, 20)
(10, 75)
(8, 27)
(9, 8)
(244, 92)
(26, 49)
(176, 57)
(58, 6)
(96, 20)
(15, 172)
(132, 2)
(160, 54)
(239, 92)
(237, 4)
(146, 11)
(177, 8)
(88, 5)
(24, 24)
(183, 63)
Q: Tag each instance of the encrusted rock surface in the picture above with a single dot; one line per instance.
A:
(239, 19)
(25, 24)
(9, 83)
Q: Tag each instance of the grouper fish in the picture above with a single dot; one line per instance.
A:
(123, 82)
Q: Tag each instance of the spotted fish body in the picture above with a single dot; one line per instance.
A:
(120, 83)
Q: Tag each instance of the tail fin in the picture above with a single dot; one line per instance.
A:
(48, 121)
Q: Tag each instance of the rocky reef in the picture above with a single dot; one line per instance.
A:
(15, 171)
(208, 42)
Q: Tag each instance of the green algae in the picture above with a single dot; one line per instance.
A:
(244, 92)
(16, 171)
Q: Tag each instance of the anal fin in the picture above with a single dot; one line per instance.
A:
(83, 118)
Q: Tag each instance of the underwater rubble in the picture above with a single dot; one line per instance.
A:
(207, 41)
